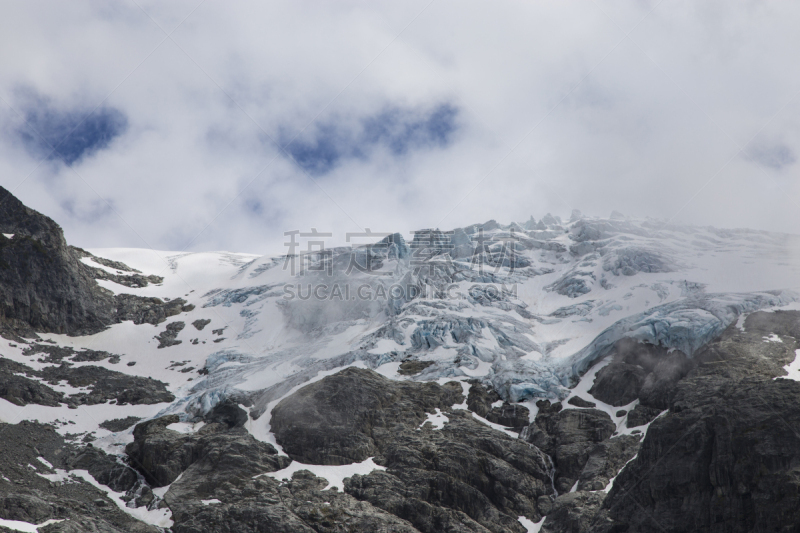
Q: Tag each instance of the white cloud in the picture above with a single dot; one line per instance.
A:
(557, 109)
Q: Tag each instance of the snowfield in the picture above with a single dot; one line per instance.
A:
(525, 308)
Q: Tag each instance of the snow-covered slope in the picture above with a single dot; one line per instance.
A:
(528, 308)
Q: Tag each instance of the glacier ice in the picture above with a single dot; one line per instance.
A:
(527, 308)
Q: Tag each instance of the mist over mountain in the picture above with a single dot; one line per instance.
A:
(590, 374)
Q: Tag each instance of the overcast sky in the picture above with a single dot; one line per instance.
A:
(221, 125)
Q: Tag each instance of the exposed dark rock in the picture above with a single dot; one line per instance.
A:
(606, 459)
(119, 424)
(103, 384)
(510, 415)
(45, 287)
(21, 390)
(168, 337)
(640, 370)
(480, 399)
(567, 436)
(332, 421)
(106, 469)
(133, 281)
(116, 265)
(57, 354)
(161, 454)
(27, 496)
(200, 323)
(149, 310)
(227, 412)
(465, 476)
(261, 504)
(618, 383)
(574, 512)
(577, 401)
(409, 368)
(43, 284)
(723, 458)
(641, 415)
(621, 413)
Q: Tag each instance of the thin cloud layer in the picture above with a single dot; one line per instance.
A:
(207, 126)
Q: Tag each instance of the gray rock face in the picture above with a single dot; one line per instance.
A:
(200, 323)
(27, 496)
(567, 436)
(260, 504)
(125, 275)
(153, 311)
(45, 287)
(162, 454)
(722, 458)
(463, 477)
(168, 337)
(640, 370)
(574, 512)
(333, 420)
(21, 385)
(618, 384)
(606, 459)
(641, 415)
(58, 354)
(119, 424)
(480, 400)
(43, 284)
(577, 401)
(228, 413)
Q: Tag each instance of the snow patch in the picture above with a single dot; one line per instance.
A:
(156, 517)
(335, 474)
(17, 525)
(437, 420)
(530, 525)
(492, 425)
(793, 368)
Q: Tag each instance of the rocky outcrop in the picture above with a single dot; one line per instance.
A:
(462, 477)
(574, 512)
(162, 454)
(27, 495)
(723, 457)
(21, 385)
(45, 287)
(169, 336)
(606, 459)
(43, 284)
(640, 370)
(568, 436)
(334, 420)
(153, 311)
(58, 354)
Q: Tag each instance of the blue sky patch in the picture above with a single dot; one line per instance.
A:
(68, 136)
(398, 130)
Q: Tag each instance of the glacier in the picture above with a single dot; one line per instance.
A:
(526, 308)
